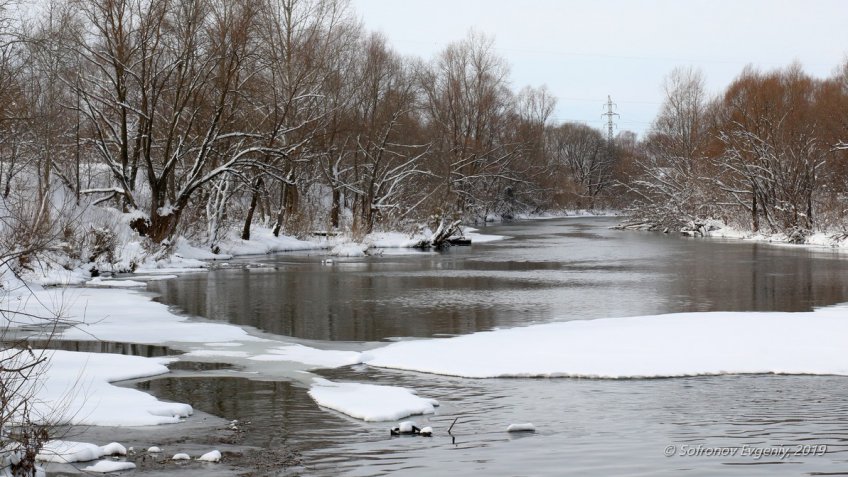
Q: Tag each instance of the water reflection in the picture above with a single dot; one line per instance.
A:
(550, 270)
(113, 347)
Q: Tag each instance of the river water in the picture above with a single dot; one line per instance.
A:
(551, 270)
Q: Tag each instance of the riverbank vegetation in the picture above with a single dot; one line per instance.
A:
(149, 120)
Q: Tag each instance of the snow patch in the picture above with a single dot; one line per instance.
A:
(213, 456)
(113, 449)
(262, 241)
(524, 427)
(62, 451)
(349, 249)
(393, 240)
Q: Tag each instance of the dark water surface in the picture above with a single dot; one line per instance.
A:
(551, 270)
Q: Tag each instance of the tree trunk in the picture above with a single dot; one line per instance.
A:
(287, 208)
(755, 219)
(810, 211)
(254, 200)
(162, 227)
(334, 213)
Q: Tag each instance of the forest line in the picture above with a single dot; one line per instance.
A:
(199, 118)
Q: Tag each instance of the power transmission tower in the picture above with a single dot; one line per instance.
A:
(609, 115)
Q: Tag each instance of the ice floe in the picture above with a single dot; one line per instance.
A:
(683, 344)
(370, 402)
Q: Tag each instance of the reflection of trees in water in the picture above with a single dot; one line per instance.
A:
(757, 277)
(131, 349)
(272, 414)
(538, 277)
(310, 302)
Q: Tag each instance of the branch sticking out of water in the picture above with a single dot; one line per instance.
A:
(451, 426)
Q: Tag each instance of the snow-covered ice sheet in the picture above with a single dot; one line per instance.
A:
(310, 356)
(108, 466)
(212, 353)
(76, 389)
(477, 237)
(131, 317)
(118, 315)
(370, 402)
(99, 282)
(685, 344)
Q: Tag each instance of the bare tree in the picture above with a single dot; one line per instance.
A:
(467, 106)
(773, 149)
(581, 151)
(381, 159)
(304, 46)
(163, 91)
(669, 185)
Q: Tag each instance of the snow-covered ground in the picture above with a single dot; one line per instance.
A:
(571, 213)
(835, 240)
(187, 257)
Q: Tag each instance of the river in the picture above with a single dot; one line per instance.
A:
(549, 270)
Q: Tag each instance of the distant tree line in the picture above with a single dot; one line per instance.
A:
(201, 117)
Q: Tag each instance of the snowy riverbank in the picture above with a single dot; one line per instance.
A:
(56, 269)
(832, 239)
(821, 239)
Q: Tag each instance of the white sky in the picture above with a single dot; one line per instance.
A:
(585, 49)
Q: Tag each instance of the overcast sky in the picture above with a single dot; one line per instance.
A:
(584, 50)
